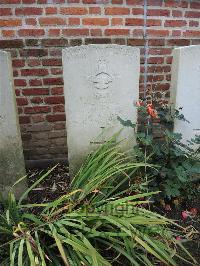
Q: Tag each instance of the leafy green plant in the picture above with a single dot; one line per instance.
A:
(99, 221)
(176, 162)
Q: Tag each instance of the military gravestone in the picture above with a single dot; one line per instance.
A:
(11, 153)
(101, 83)
(185, 89)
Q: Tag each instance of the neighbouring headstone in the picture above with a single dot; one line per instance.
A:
(11, 153)
(185, 90)
(101, 82)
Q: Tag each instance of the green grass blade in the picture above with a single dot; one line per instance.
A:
(20, 253)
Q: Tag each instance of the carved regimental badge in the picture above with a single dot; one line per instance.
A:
(102, 79)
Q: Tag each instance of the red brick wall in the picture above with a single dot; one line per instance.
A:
(35, 31)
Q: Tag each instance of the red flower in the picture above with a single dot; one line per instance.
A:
(151, 111)
(178, 238)
(184, 215)
(168, 207)
(139, 103)
(193, 211)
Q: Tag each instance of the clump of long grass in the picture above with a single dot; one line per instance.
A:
(99, 221)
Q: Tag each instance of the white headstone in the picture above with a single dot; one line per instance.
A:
(185, 90)
(11, 153)
(101, 82)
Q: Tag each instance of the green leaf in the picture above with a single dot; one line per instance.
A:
(30, 253)
(20, 253)
(59, 245)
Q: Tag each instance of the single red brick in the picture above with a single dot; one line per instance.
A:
(20, 82)
(55, 42)
(35, 91)
(158, 69)
(54, 32)
(56, 117)
(95, 1)
(177, 13)
(158, 33)
(162, 87)
(136, 42)
(10, 22)
(49, 21)
(15, 43)
(20, 110)
(138, 11)
(156, 42)
(28, 1)
(74, 21)
(33, 62)
(135, 2)
(34, 72)
(31, 21)
(134, 22)
(154, 78)
(158, 12)
(95, 21)
(8, 33)
(75, 32)
(56, 71)
(51, 10)
(15, 73)
(168, 77)
(37, 109)
(117, 2)
(160, 51)
(53, 81)
(31, 32)
(117, 11)
(155, 60)
(178, 42)
(24, 120)
(57, 90)
(191, 33)
(59, 109)
(36, 100)
(138, 33)
(54, 100)
(195, 5)
(59, 126)
(52, 62)
(153, 22)
(97, 40)
(38, 118)
(175, 3)
(73, 10)
(5, 11)
(194, 23)
(117, 21)
(27, 11)
(8, 2)
(192, 14)
(154, 2)
(17, 92)
(96, 32)
(112, 32)
(33, 52)
(18, 63)
(176, 33)
(22, 101)
(95, 10)
(35, 82)
(73, 1)
(175, 23)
